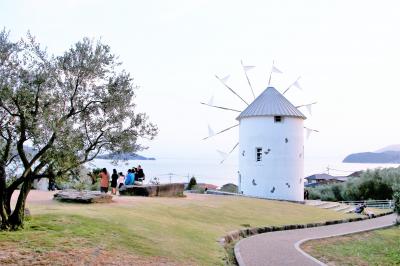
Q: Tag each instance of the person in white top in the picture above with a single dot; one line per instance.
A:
(121, 180)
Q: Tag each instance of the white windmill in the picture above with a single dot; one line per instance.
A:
(271, 150)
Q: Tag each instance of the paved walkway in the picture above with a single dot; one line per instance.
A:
(281, 247)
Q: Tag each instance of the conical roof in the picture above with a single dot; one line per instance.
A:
(271, 103)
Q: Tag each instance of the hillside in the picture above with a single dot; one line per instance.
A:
(373, 157)
(394, 147)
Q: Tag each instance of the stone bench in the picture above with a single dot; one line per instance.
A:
(82, 196)
(162, 190)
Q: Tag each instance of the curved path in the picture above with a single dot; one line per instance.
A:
(282, 247)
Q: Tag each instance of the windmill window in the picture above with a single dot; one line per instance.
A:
(278, 119)
(258, 154)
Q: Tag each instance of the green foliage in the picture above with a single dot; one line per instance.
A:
(69, 108)
(192, 183)
(378, 184)
(198, 189)
(229, 188)
(94, 175)
(396, 199)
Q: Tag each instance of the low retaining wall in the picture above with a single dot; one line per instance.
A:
(243, 233)
(162, 190)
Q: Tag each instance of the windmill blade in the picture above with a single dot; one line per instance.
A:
(221, 107)
(294, 84)
(298, 106)
(274, 69)
(226, 155)
(234, 147)
(222, 131)
(223, 154)
(211, 101)
(229, 88)
(245, 69)
(210, 132)
(224, 79)
(297, 85)
(309, 131)
(308, 106)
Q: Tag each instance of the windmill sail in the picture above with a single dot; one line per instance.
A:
(222, 131)
(229, 88)
(221, 107)
(245, 69)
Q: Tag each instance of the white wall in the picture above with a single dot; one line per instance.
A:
(283, 164)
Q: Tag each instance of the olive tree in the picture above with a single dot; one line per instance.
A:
(59, 112)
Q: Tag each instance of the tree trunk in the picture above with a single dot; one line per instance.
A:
(16, 219)
(3, 210)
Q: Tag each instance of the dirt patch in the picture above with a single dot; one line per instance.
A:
(81, 256)
(38, 197)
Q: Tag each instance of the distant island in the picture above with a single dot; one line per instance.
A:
(389, 154)
(123, 156)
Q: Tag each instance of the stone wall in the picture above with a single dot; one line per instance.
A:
(163, 190)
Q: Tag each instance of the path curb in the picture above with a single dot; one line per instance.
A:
(236, 235)
(243, 233)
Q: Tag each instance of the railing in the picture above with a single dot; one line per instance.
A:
(380, 204)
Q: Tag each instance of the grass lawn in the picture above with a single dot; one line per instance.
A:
(143, 231)
(379, 247)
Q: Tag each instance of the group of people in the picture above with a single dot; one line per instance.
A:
(135, 176)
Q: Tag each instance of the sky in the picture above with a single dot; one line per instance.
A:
(346, 52)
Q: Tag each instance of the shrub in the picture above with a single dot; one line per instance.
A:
(198, 189)
(192, 183)
(229, 188)
(396, 199)
(378, 184)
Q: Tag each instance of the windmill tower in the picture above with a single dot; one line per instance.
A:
(271, 150)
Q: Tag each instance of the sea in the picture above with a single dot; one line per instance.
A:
(210, 171)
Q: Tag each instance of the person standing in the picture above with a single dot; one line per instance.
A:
(121, 180)
(114, 178)
(104, 181)
(306, 194)
(140, 173)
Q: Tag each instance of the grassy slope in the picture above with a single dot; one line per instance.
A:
(179, 229)
(380, 247)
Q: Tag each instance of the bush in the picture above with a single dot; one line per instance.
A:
(199, 189)
(229, 188)
(192, 183)
(378, 184)
(396, 199)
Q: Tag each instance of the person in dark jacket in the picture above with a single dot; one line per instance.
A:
(114, 178)
(140, 173)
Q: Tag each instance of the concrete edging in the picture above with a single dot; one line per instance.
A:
(244, 233)
(298, 243)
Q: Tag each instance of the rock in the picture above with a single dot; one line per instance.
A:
(83, 196)
(164, 190)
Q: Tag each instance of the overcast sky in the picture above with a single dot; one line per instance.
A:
(347, 53)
